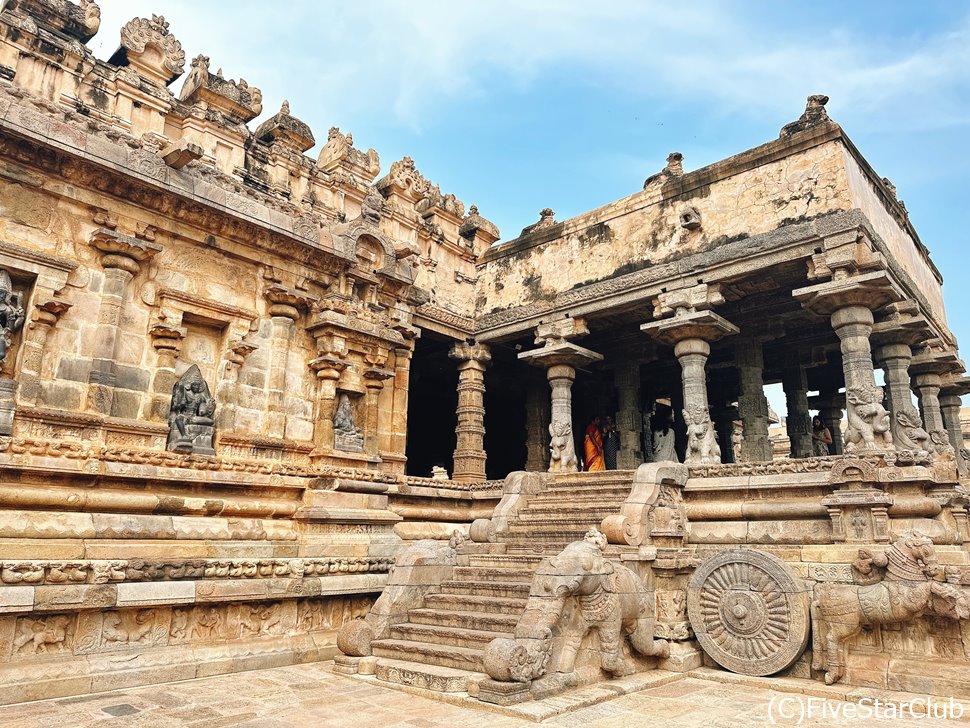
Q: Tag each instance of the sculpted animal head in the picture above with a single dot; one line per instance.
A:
(913, 557)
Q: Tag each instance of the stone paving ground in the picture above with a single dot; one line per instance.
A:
(312, 695)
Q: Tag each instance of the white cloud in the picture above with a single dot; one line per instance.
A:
(410, 59)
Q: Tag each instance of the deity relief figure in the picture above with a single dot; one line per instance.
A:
(868, 421)
(191, 423)
(346, 435)
(702, 444)
(11, 314)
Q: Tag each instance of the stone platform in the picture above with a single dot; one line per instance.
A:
(311, 695)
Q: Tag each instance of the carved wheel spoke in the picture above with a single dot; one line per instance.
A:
(749, 613)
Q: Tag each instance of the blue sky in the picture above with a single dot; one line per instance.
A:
(516, 106)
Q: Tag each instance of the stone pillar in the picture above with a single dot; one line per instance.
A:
(950, 405)
(537, 414)
(797, 423)
(752, 403)
(34, 346)
(121, 258)
(702, 444)
(894, 360)
(470, 454)
(849, 299)
(853, 324)
(928, 391)
(830, 409)
(628, 419)
(560, 358)
(283, 324)
(724, 417)
(561, 377)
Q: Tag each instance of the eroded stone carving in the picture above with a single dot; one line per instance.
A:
(346, 435)
(868, 421)
(191, 418)
(909, 434)
(562, 449)
(139, 33)
(613, 603)
(417, 570)
(11, 314)
(893, 586)
(702, 444)
(750, 614)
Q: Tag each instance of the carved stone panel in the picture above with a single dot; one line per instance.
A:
(191, 415)
(749, 613)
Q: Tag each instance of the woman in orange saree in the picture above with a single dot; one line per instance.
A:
(593, 447)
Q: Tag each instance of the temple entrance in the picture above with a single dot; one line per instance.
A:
(432, 401)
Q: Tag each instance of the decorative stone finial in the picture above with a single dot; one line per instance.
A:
(140, 33)
(814, 115)
(475, 224)
(287, 130)
(675, 164)
(547, 218)
(238, 101)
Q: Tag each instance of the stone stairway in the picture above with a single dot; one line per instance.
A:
(442, 643)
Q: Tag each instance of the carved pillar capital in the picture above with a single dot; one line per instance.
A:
(122, 251)
(471, 353)
(287, 302)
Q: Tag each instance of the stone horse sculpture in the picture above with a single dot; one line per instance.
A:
(612, 601)
(898, 586)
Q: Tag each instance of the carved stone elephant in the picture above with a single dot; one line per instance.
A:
(611, 601)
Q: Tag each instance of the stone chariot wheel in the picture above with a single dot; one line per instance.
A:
(750, 614)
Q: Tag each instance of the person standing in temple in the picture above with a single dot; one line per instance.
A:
(593, 446)
(821, 437)
(663, 441)
(611, 443)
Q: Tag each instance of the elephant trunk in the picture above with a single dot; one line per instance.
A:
(526, 656)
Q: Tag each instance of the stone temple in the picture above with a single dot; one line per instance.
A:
(240, 382)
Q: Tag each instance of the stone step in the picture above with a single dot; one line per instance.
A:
(542, 506)
(443, 635)
(565, 500)
(581, 493)
(420, 675)
(517, 575)
(593, 518)
(454, 618)
(526, 561)
(476, 603)
(428, 653)
(545, 528)
(486, 588)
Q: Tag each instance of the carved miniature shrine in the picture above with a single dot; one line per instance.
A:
(240, 382)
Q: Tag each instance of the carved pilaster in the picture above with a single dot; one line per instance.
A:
(167, 342)
(121, 257)
(328, 370)
(374, 379)
(285, 307)
(46, 315)
(470, 453)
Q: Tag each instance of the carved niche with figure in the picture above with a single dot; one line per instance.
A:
(191, 418)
